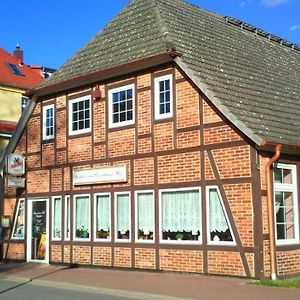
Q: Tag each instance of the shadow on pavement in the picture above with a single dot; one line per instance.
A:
(11, 267)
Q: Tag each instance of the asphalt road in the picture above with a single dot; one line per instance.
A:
(12, 290)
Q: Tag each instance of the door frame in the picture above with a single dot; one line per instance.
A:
(29, 231)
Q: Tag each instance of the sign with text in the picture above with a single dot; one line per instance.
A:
(16, 182)
(16, 164)
(100, 175)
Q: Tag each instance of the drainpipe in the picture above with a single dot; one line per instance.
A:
(271, 210)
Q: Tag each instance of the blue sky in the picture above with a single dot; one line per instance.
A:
(50, 32)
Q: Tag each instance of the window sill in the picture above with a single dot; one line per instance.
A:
(182, 242)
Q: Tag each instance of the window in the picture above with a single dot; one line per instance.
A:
(56, 218)
(82, 217)
(102, 217)
(121, 106)
(15, 70)
(219, 230)
(18, 232)
(144, 208)
(48, 122)
(286, 204)
(163, 97)
(122, 217)
(67, 217)
(24, 102)
(180, 215)
(80, 118)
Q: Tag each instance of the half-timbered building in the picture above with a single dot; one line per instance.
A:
(169, 142)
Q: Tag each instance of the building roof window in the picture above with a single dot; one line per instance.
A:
(15, 70)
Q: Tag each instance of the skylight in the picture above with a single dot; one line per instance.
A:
(15, 70)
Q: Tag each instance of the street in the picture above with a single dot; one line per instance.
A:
(15, 290)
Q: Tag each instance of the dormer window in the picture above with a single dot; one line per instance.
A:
(15, 70)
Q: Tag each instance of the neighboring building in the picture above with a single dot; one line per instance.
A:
(153, 148)
(15, 79)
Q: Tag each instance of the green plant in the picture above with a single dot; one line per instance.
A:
(179, 236)
(82, 233)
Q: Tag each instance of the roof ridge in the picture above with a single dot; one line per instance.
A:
(167, 37)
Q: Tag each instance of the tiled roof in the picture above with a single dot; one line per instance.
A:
(29, 79)
(254, 82)
(7, 127)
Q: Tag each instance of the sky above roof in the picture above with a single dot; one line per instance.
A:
(50, 32)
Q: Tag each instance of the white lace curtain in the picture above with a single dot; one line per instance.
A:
(123, 213)
(103, 213)
(181, 211)
(57, 218)
(82, 212)
(145, 212)
(217, 217)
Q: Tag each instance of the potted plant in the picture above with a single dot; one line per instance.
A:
(179, 236)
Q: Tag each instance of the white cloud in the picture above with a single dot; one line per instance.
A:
(270, 3)
(242, 4)
(295, 27)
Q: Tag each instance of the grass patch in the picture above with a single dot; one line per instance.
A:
(284, 283)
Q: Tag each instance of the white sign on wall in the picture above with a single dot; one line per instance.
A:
(100, 175)
(15, 182)
(16, 164)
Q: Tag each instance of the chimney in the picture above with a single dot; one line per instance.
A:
(18, 54)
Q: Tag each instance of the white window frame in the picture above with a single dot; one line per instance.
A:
(15, 221)
(218, 243)
(110, 106)
(79, 131)
(45, 136)
(285, 187)
(66, 223)
(136, 216)
(177, 242)
(116, 220)
(157, 80)
(53, 238)
(74, 218)
(95, 217)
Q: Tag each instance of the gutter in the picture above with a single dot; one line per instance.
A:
(271, 211)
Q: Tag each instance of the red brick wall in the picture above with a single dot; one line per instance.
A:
(56, 253)
(288, 262)
(158, 154)
(122, 257)
(181, 260)
(82, 255)
(102, 256)
(16, 251)
(225, 263)
(145, 258)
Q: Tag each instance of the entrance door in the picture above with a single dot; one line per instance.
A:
(37, 234)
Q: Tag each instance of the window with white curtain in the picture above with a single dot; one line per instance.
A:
(219, 230)
(122, 216)
(82, 217)
(180, 215)
(56, 218)
(286, 204)
(144, 209)
(102, 217)
(67, 217)
(18, 231)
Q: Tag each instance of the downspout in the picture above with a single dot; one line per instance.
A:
(271, 210)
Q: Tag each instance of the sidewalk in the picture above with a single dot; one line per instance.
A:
(143, 285)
